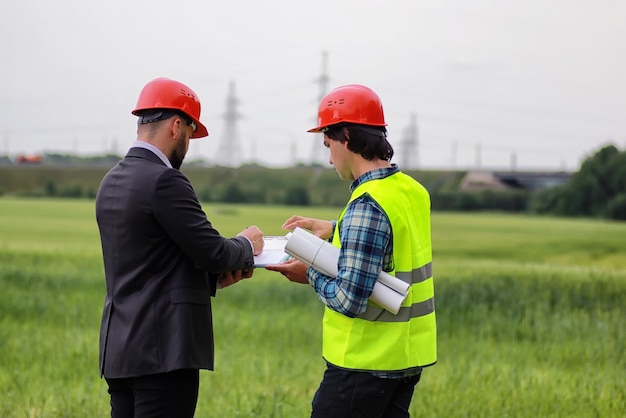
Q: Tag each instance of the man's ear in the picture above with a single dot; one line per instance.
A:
(174, 127)
(346, 133)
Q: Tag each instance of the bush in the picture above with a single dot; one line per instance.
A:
(616, 208)
(595, 185)
(545, 201)
(508, 201)
(513, 201)
(71, 191)
(297, 196)
(233, 194)
(50, 188)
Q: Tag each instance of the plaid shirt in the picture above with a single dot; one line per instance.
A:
(366, 249)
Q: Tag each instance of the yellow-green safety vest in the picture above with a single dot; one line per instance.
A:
(377, 339)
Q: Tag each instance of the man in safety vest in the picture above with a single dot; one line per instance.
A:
(374, 358)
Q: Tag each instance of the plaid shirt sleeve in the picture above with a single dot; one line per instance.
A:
(365, 234)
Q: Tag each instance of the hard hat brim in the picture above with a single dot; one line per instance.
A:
(201, 132)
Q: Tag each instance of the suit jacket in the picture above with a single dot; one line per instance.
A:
(162, 258)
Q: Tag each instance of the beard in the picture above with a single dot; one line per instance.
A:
(178, 154)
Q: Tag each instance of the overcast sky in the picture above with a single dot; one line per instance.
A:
(535, 83)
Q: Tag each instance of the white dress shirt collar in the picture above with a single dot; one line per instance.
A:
(155, 150)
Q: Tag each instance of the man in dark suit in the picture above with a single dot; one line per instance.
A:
(163, 261)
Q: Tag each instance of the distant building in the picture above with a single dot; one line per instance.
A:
(512, 180)
(29, 159)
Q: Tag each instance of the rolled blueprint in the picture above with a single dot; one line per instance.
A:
(389, 292)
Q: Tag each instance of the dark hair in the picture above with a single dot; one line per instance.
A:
(368, 141)
(156, 115)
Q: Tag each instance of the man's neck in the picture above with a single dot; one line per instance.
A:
(363, 166)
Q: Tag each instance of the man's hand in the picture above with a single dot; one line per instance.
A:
(292, 269)
(231, 277)
(319, 227)
(255, 235)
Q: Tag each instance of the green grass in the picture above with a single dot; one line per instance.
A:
(530, 315)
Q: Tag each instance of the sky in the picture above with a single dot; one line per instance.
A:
(491, 84)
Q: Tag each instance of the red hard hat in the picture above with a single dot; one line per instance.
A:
(352, 103)
(164, 93)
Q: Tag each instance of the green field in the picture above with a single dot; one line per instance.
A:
(531, 316)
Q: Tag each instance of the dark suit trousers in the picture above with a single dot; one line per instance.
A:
(165, 395)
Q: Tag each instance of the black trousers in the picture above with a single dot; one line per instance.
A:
(165, 395)
(352, 394)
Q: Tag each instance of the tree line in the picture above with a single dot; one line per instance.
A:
(597, 189)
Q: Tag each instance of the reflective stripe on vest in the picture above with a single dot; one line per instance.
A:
(417, 275)
(376, 313)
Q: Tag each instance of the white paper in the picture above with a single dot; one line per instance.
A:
(393, 282)
(387, 298)
(389, 291)
(273, 251)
